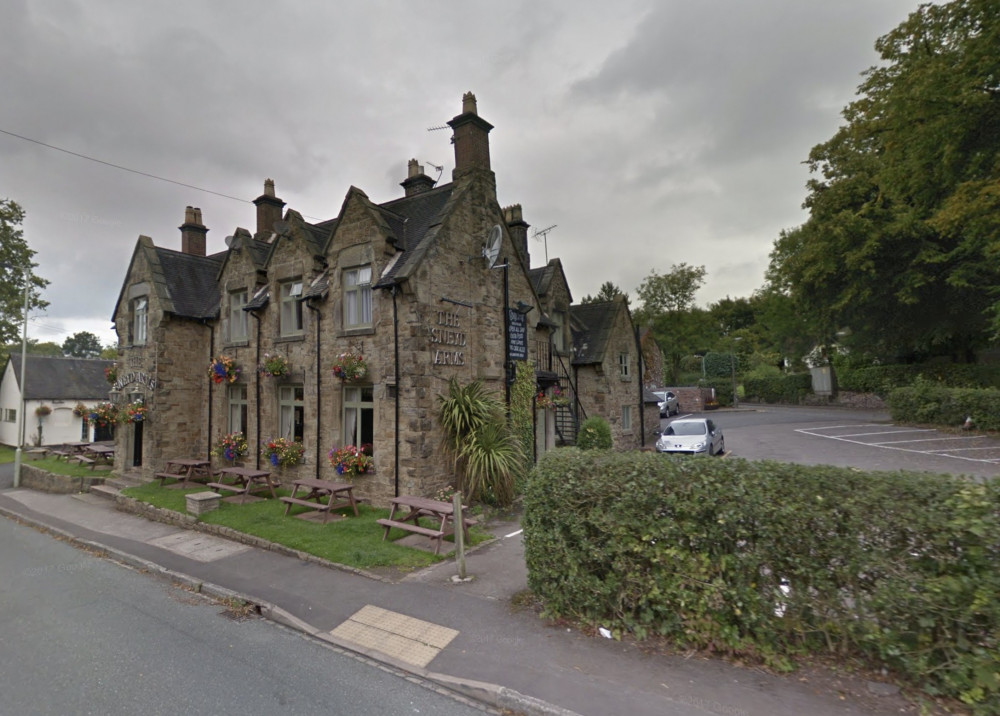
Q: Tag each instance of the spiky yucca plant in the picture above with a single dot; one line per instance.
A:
(486, 458)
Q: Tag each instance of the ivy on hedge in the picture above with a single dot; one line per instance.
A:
(772, 560)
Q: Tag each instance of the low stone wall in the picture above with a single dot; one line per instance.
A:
(35, 478)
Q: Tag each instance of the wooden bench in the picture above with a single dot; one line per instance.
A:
(317, 490)
(237, 489)
(164, 476)
(60, 453)
(83, 460)
(410, 527)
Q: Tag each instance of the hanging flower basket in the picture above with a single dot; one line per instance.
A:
(350, 462)
(350, 367)
(134, 412)
(231, 447)
(224, 370)
(551, 401)
(111, 374)
(273, 365)
(103, 415)
(283, 452)
(81, 411)
(43, 410)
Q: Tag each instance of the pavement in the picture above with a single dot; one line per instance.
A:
(470, 636)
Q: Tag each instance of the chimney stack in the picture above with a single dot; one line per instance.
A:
(416, 181)
(471, 138)
(193, 232)
(268, 210)
(518, 229)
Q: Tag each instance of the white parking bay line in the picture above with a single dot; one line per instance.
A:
(887, 432)
(933, 440)
(891, 445)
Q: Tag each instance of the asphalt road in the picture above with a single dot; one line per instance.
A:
(83, 635)
(863, 439)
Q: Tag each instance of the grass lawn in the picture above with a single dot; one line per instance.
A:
(51, 464)
(6, 454)
(354, 541)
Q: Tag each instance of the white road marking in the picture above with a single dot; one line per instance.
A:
(933, 440)
(814, 432)
(513, 534)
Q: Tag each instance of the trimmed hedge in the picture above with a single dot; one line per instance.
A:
(931, 405)
(778, 388)
(771, 560)
(883, 379)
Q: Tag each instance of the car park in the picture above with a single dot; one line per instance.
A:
(692, 436)
(669, 403)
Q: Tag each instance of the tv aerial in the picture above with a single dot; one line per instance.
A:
(491, 251)
(544, 234)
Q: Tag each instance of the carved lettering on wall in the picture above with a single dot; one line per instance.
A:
(448, 332)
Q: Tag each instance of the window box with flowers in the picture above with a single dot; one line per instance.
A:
(224, 370)
(350, 367)
(231, 447)
(349, 461)
(282, 452)
(103, 414)
(273, 365)
(134, 412)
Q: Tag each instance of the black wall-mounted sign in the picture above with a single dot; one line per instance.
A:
(517, 333)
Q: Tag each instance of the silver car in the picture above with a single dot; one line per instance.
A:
(692, 436)
(669, 403)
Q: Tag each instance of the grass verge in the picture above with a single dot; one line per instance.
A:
(355, 541)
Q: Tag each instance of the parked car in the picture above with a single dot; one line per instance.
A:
(692, 436)
(669, 404)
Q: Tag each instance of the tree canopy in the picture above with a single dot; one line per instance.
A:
(903, 234)
(15, 258)
(608, 292)
(82, 345)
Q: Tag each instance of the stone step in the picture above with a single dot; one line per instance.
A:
(104, 491)
(122, 481)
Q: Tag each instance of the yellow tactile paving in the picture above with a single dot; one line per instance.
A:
(411, 640)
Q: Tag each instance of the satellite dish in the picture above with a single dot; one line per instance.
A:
(233, 242)
(491, 251)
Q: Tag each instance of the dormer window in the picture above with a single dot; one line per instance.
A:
(291, 308)
(358, 297)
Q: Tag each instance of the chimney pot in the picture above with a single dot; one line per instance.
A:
(469, 103)
(193, 232)
(269, 209)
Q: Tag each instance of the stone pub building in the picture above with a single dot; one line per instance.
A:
(415, 286)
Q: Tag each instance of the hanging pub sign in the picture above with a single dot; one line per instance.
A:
(517, 335)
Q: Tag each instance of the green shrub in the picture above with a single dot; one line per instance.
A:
(595, 434)
(900, 569)
(929, 404)
(778, 388)
(883, 379)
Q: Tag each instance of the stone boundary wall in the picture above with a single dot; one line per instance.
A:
(35, 478)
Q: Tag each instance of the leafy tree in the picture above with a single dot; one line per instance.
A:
(109, 353)
(903, 236)
(667, 306)
(15, 257)
(32, 347)
(82, 345)
(609, 291)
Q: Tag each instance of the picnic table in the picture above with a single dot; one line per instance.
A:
(184, 469)
(317, 490)
(245, 481)
(417, 507)
(97, 453)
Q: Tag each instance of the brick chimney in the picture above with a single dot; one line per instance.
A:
(416, 181)
(471, 138)
(268, 210)
(518, 229)
(193, 232)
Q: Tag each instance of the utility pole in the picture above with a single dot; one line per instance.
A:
(20, 412)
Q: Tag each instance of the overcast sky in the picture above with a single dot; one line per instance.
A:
(649, 132)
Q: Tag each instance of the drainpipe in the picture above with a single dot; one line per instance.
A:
(319, 381)
(257, 389)
(642, 404)
(211, 389)
(395, 350)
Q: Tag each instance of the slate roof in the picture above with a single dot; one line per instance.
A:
(191, 282)
(591, 324)
(410, 219)
(58, 378)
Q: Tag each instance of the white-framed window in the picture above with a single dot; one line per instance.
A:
(10, 415)
(359, 415)
(559, 331)
(291, 411)
(238, 330)
(236, 396)
(291, 307)
(623, 365)
(140, 311)
(358, 297)
(626, 417)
